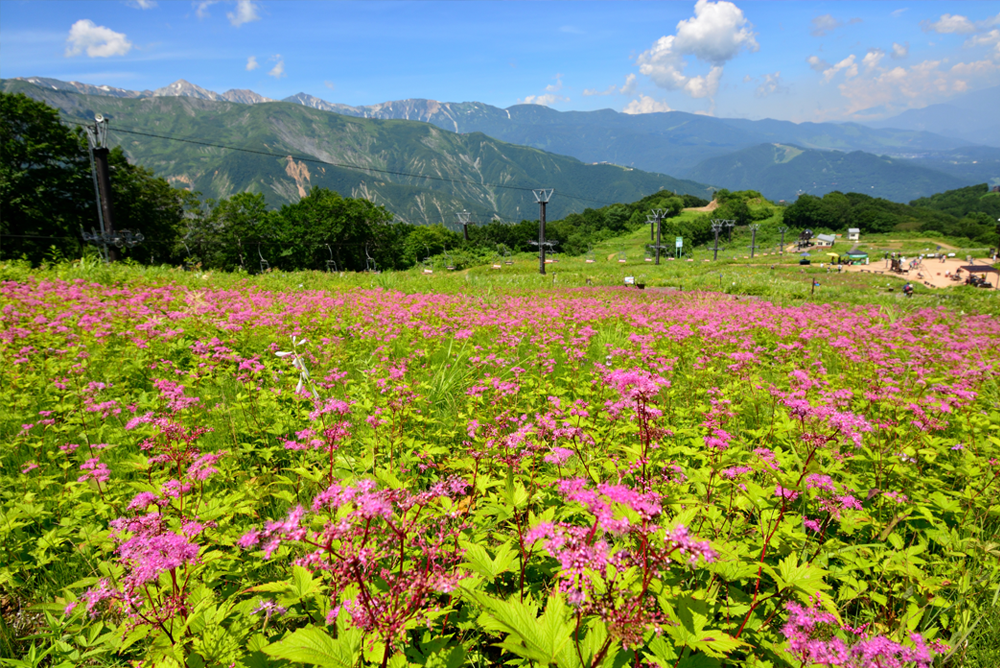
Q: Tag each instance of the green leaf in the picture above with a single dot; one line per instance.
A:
(478, 559)
(804, 578)
(539, 639)
(314, 646)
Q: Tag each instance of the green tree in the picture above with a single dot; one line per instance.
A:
(147, 204)
(810, 211)
(46, 191)
(428, 240)
(351, 228)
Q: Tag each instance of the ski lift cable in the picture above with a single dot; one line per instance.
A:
(374, 170)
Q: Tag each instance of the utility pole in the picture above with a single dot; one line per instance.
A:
(464, 217)
(730, 224)
(542, 196)
(97, 137)
(781, 248)
(753, 238)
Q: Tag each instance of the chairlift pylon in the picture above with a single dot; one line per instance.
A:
(331, 264)
(264, 264)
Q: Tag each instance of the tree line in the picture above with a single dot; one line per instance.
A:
(970, 212)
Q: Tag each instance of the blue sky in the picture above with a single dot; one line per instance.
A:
(798, 61)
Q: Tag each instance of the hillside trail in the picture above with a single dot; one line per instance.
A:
(712, 206)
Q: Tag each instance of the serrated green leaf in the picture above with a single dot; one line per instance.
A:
(314, 646)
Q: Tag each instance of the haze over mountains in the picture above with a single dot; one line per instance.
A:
(779, 158)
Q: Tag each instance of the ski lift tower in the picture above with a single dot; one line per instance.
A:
(542, 196)
(97, 137)
(656, 217)
(717, 225)
(753, 238)
(465, 219)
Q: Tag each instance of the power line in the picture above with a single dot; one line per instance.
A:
(200, 142)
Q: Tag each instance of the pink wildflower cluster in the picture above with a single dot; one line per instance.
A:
(811, 634)
(715, 419)
(146, 549)
(94, 469)
(389, 543)
(626, 564)
(173, 395)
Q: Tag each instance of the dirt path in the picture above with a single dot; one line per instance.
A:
(712, 206)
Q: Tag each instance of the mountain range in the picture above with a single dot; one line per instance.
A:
(419, 172)
(900, 164)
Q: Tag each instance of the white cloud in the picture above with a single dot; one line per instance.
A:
(645, 105)
(544, 100)
(626, 89)
(201, 9)
(898, 12)
(817, 63)
(629, 86)
(556, 87)
(330, 85)
(704, 86)
(252, 63)
(824, 24)
(950, 24)
(246, 11)
(900, 50)
(847, 65)
(902, 88)
(142, 4)
(278, 70)
(771, 84)
(97, 41)
(715, 35)
(872, 58)
(992, 38)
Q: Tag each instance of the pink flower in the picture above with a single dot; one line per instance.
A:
(558, 455)
(820, 481)
(786, 494)
(142, 500)
(94, 469)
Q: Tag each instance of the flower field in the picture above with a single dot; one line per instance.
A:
(249, 476)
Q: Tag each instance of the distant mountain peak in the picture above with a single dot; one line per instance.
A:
(182, 88)
(244, 96)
